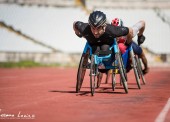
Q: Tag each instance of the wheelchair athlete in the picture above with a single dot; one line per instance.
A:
(136, 48)
(99, 34)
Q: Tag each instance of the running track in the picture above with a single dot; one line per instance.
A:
(48, 95)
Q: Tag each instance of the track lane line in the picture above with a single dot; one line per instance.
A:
(161, 117)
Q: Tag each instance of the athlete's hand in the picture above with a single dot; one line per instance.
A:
(141, 39)
(75, 27)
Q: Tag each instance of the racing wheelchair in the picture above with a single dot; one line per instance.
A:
(131, 61)
(139, 68)
(110, 59)
(136, 65)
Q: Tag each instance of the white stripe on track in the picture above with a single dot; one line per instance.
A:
(162, 115)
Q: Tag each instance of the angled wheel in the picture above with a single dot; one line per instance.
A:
(81, 70)
(122, 71)
(93, 75)
(139, 68)
(136, 72)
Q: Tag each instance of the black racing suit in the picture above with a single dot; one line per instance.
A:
(105, 40)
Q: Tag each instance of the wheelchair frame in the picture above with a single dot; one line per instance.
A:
(136, 65)
(96, 59)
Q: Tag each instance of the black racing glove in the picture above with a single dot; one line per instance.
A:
(79, 35)
(141, 39)
(77, 24)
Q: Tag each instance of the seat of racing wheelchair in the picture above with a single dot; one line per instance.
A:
(103, 53)
(105, 56)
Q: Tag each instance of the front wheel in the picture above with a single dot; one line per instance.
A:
(139, 67)
(136, 72)
(122, 71)
(93, 75)
(81, 71)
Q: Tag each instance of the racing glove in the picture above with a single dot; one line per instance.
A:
(77, 24)
(141, 39)
(79, 35)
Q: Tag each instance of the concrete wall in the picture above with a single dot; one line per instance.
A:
(72, 58)
(46, 58)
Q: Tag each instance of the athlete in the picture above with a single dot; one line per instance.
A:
(99, 34)
(136, 48)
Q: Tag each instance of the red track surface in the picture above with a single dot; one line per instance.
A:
(48, 95)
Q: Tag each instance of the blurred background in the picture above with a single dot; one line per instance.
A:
(40, 31)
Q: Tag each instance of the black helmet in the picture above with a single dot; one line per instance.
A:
(97, 18)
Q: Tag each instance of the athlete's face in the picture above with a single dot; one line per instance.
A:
(97, 32)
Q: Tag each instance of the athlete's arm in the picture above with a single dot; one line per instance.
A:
(116, 31)
(136, 29)
(129, 36)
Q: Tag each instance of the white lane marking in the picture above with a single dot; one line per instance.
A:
(162, 115)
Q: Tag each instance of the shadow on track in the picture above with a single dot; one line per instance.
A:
(62, 91)
(101, 90)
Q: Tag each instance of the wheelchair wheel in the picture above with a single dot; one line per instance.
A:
(93, 75)
(81, 70)
(136, 71)
(139, 67)
(122, 71)
(99, 79)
